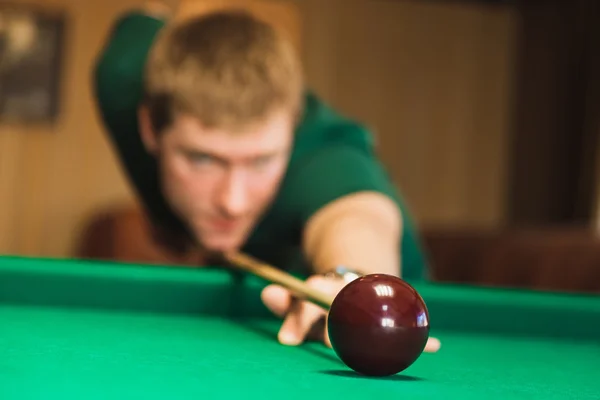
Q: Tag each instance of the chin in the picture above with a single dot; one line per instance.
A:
(223, 244)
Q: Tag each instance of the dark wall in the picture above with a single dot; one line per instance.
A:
(557, 113)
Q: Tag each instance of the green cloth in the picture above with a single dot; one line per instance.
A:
(90, 330)
(332, 157)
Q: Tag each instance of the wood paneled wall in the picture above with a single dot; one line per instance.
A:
(53, 178)
(433, 80)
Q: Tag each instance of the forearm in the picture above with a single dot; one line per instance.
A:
(361, 232)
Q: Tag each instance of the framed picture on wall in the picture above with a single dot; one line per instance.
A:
(31, 55)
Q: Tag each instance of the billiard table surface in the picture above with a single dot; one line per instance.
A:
(74, 329)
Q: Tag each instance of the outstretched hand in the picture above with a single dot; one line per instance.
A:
(304, 321)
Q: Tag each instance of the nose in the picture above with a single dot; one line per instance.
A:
(233, 196)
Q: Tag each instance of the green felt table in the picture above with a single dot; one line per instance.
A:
(84, 330)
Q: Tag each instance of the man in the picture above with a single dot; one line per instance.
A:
(229, 152)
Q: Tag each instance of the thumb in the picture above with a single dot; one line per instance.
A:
(277, 299)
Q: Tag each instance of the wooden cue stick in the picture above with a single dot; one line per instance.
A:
(297, 286)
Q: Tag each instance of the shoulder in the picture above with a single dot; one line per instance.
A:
(334, 156)
(321, 125)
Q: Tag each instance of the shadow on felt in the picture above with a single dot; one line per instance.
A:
(320, 351)
(356, 375)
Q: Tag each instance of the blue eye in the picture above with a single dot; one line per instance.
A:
(200, 159)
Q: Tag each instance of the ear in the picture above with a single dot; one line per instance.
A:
(146, 131)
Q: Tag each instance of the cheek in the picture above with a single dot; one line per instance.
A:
(266, 182)
(176, 172)
(184, 180)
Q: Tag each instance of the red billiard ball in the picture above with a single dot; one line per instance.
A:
(378, 325)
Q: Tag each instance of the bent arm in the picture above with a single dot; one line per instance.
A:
(117, 85)
(361, 231)
(119, 68)
(352, 215)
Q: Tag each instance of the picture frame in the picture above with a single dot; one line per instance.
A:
(32, 43)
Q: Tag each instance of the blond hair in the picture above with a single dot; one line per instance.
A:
(228, 69)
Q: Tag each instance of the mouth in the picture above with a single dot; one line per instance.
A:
(224, 225)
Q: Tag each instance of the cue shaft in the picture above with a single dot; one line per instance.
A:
(297, 286)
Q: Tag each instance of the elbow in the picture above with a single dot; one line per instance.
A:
(114, 86)
(117, 75)
(113, 69)
(115, 65)
(120, 62)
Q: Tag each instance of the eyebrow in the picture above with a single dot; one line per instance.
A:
(221, 158)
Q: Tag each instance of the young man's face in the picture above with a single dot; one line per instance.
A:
(220, 182)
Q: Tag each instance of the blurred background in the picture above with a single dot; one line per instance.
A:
(486, 113)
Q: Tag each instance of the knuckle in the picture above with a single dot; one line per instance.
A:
(315, 279)
(330, 285)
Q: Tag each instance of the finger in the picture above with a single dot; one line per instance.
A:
(326, 336)
(299, 322)
(433, 345)
(317, 331)
(306, 320)
(277, 299)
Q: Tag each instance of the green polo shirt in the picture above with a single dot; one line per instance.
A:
(332, 157)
